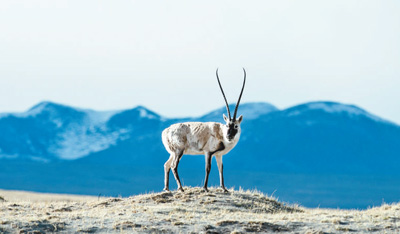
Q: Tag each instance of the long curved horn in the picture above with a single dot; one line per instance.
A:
(240, 96)
(223, 94)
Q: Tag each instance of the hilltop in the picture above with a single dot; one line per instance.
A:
(193, 211)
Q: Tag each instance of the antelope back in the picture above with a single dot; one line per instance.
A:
(193, 137)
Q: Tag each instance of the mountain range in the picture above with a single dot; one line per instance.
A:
(57, 148)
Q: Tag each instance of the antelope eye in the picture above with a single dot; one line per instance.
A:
(236, 127)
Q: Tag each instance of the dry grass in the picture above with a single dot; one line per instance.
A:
(193, 211)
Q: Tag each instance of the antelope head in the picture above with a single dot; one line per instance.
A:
(232, 128)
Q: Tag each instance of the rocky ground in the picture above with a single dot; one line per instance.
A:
(193, 211)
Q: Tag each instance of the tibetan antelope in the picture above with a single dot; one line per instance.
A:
(195, 138)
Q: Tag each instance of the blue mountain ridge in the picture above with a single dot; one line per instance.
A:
(72, 150)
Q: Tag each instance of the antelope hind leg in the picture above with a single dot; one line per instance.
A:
(167, 168)
(174, 166)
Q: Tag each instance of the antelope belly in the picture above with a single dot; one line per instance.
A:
(193, 152)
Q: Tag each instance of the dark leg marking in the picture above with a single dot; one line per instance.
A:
(208, 169)
(175, 171)
(221, 147)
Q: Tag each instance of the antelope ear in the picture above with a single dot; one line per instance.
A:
(240, 119)
(225, 118)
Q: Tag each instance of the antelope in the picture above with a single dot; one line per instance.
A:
(196, 138)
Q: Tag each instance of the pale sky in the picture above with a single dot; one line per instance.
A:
(108, 55)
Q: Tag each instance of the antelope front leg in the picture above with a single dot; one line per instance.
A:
(208, 169)
(221, 171)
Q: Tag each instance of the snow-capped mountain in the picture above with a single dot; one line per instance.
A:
(51, 131)
(336, 109)
(324, 136)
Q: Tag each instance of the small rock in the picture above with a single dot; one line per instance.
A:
(64, 209)
(126, 225)
(88, 230)
(226, 223)
(314, 232)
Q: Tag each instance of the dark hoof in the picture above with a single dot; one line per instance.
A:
(181, 189)
(166, 189)
(205, 189)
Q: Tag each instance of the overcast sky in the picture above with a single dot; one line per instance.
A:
(108, 55)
